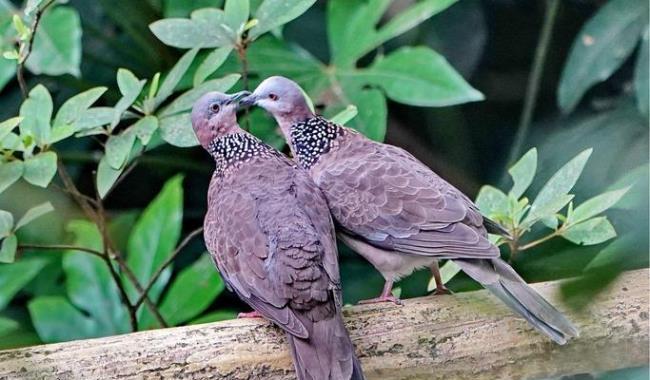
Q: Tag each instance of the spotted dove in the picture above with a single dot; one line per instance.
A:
(271, 236)
(395, 211)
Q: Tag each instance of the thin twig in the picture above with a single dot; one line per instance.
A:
(21, 63)
(532, 89)
(169, 260)
(63, 247)
(541, 240)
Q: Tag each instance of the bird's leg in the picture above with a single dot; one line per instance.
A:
(250, 314)
(440, 287)
(385, 296)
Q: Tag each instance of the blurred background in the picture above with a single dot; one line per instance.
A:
(492, 44)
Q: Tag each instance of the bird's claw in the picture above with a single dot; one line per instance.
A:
(381, 299)
(251, 314)
(441, 291)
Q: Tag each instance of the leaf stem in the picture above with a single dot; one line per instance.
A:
(63, 247)
(534, 79)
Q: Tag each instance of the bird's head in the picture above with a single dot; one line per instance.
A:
(281, 97)
(215, 115)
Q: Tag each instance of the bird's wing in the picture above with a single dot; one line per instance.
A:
(265, 246)
(391, 200)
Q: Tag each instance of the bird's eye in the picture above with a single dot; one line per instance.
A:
(214, 107)
(273, 97)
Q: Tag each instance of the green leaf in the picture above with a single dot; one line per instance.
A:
(57, 43)
(216, 316)
(546, 211)
(106, 175)
(177, 130)
(76, 107)
(56, 320)
(211, 63)
(192, 292)
(89, 284)
(272, 56)
(419, 77)
(8, 125)
(34, 213)
(7, 325)
(40, 169)
(237, 12)
(371, 104)
(14, 277)
(7, 71)
(492, 201)
(95, 117)
(561, 182)
(32, 6)
(590, 232)
(36, 112)
(8, 249)
(641, 80)
(153, 239)
(346, 115)
(596, 205)
(602, 45)
(186, 100)
(6, 223)
(144, 128)
(10, 172)
(273, 13)
(130, 87)
(175, 74)
(183, 8)
(523, 172)
(352, 29)
(118, 148)
(204, 30)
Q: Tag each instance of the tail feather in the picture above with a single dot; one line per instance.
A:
(500, 279)
(326, 354)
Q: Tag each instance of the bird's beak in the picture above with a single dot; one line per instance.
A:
(234, 98)
(249, 100)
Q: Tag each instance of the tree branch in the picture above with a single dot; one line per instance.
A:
(62, 247)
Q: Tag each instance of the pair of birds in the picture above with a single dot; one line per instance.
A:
(270, 224)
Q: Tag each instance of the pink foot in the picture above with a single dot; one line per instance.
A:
(251, 314)
(382, 298)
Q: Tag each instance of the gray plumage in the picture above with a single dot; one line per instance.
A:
(395, 211)
(269, 232)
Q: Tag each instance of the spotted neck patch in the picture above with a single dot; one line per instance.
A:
(231, 150)
(312, 138)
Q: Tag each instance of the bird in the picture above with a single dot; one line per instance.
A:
(395, 211)
(270, 234)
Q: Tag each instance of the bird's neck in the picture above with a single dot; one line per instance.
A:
(230, 150)
(312, 138)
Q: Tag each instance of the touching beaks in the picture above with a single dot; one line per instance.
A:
(249, 100)
(238, 95)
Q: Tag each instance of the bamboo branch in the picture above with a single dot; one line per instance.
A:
(461, 336)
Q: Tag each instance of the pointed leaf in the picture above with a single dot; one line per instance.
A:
(153, 239)
(40, 169)
(237, 12)
(175, 74)
(75, 108)
(6, 223)
(177, 130)
(95, 117)
(8, 249)
(8, 325)
(546, 211)
(56, 320)
(523, 172)
(187, 99)
(10, 172)
(106, 176)
(14, 277)
(590, 232)
(34, 213)
(562, 181)
(57, 43)
(192, 292)
(130, 87)
(596, 205)
(603, 44)
(273, 13)
(205, 29)
(371, 104)
(144, 128)
(420, 77)
(641, 80)
(118, 148)
(36, 112)
(211, 63)
(344, 116)
(8, 125)
(492, 201)
(89, 284)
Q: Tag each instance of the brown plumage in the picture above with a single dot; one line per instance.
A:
(271, 236)
(395, 211)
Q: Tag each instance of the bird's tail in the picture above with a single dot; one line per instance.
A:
(500, 279)
(327, 354)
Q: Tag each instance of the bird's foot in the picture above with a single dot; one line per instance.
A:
(251, 314)
(441, 290)
(382, 298)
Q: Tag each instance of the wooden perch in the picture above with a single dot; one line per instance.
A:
(463, 336)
